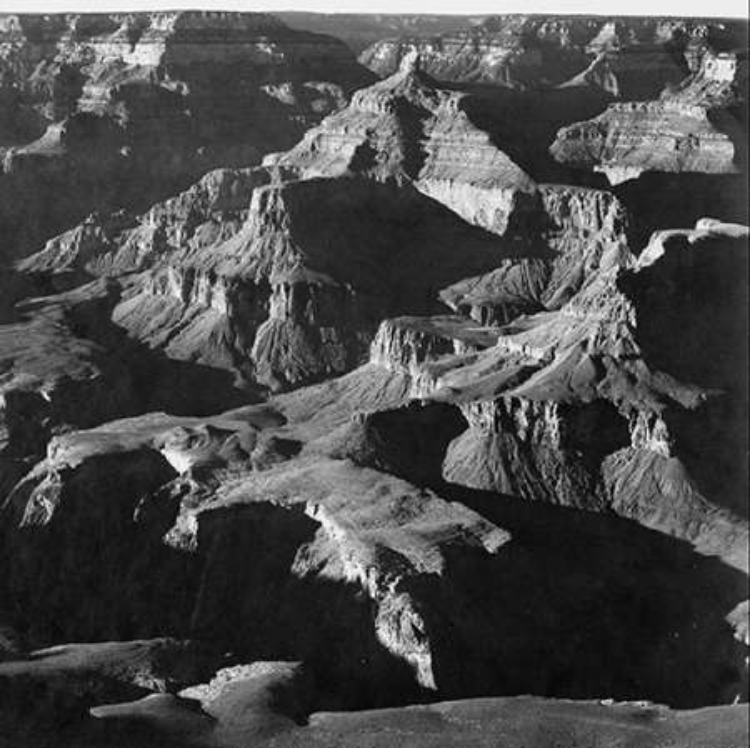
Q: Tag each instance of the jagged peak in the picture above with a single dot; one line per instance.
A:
(411, 63)
(409, 82)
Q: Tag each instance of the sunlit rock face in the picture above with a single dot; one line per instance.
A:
(594, 401)
(282, 272)
(689, 129)
(409, 128)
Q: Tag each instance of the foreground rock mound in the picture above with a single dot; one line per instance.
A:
(268, 703)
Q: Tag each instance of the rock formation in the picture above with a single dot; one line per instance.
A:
(241, 242)
(106, 102)
(640, 55)
(391, 422)
(681, 132)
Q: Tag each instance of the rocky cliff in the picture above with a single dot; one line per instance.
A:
(603, 365)
(253, 270)
(641, 55)
(108, 102)
(690, 129)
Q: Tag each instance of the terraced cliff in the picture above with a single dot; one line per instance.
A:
(689, 129)
(117, 111)
(641, 55)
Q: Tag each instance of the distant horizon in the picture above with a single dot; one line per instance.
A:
(734, 9)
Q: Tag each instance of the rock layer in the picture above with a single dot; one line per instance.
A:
(641, 54)
(681, 132)
(151, 99)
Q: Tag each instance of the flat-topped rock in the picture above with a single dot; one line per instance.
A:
(688, 129)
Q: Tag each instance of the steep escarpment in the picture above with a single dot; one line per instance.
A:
(408, 128)
(297, 293)
(562, 400)
(681, 132)
(150, 99)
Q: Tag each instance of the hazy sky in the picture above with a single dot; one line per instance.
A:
(736, 8)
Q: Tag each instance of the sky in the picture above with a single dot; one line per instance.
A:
(716, 8)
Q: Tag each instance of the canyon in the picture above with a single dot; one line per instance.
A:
(347, 401)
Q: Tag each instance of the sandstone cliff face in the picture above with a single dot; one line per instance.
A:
(154, 99)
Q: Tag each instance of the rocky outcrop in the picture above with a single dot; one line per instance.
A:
(48, 690)
(326, 540)
(240, 275)
(151, 99)
(565, 400)
(681, 132)
(486, 431)
(584, 231)
(641, 55)
(408, 129)
(273, 703)
(472, 722)
(405, 579)
(297, 293)
(211, 210)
